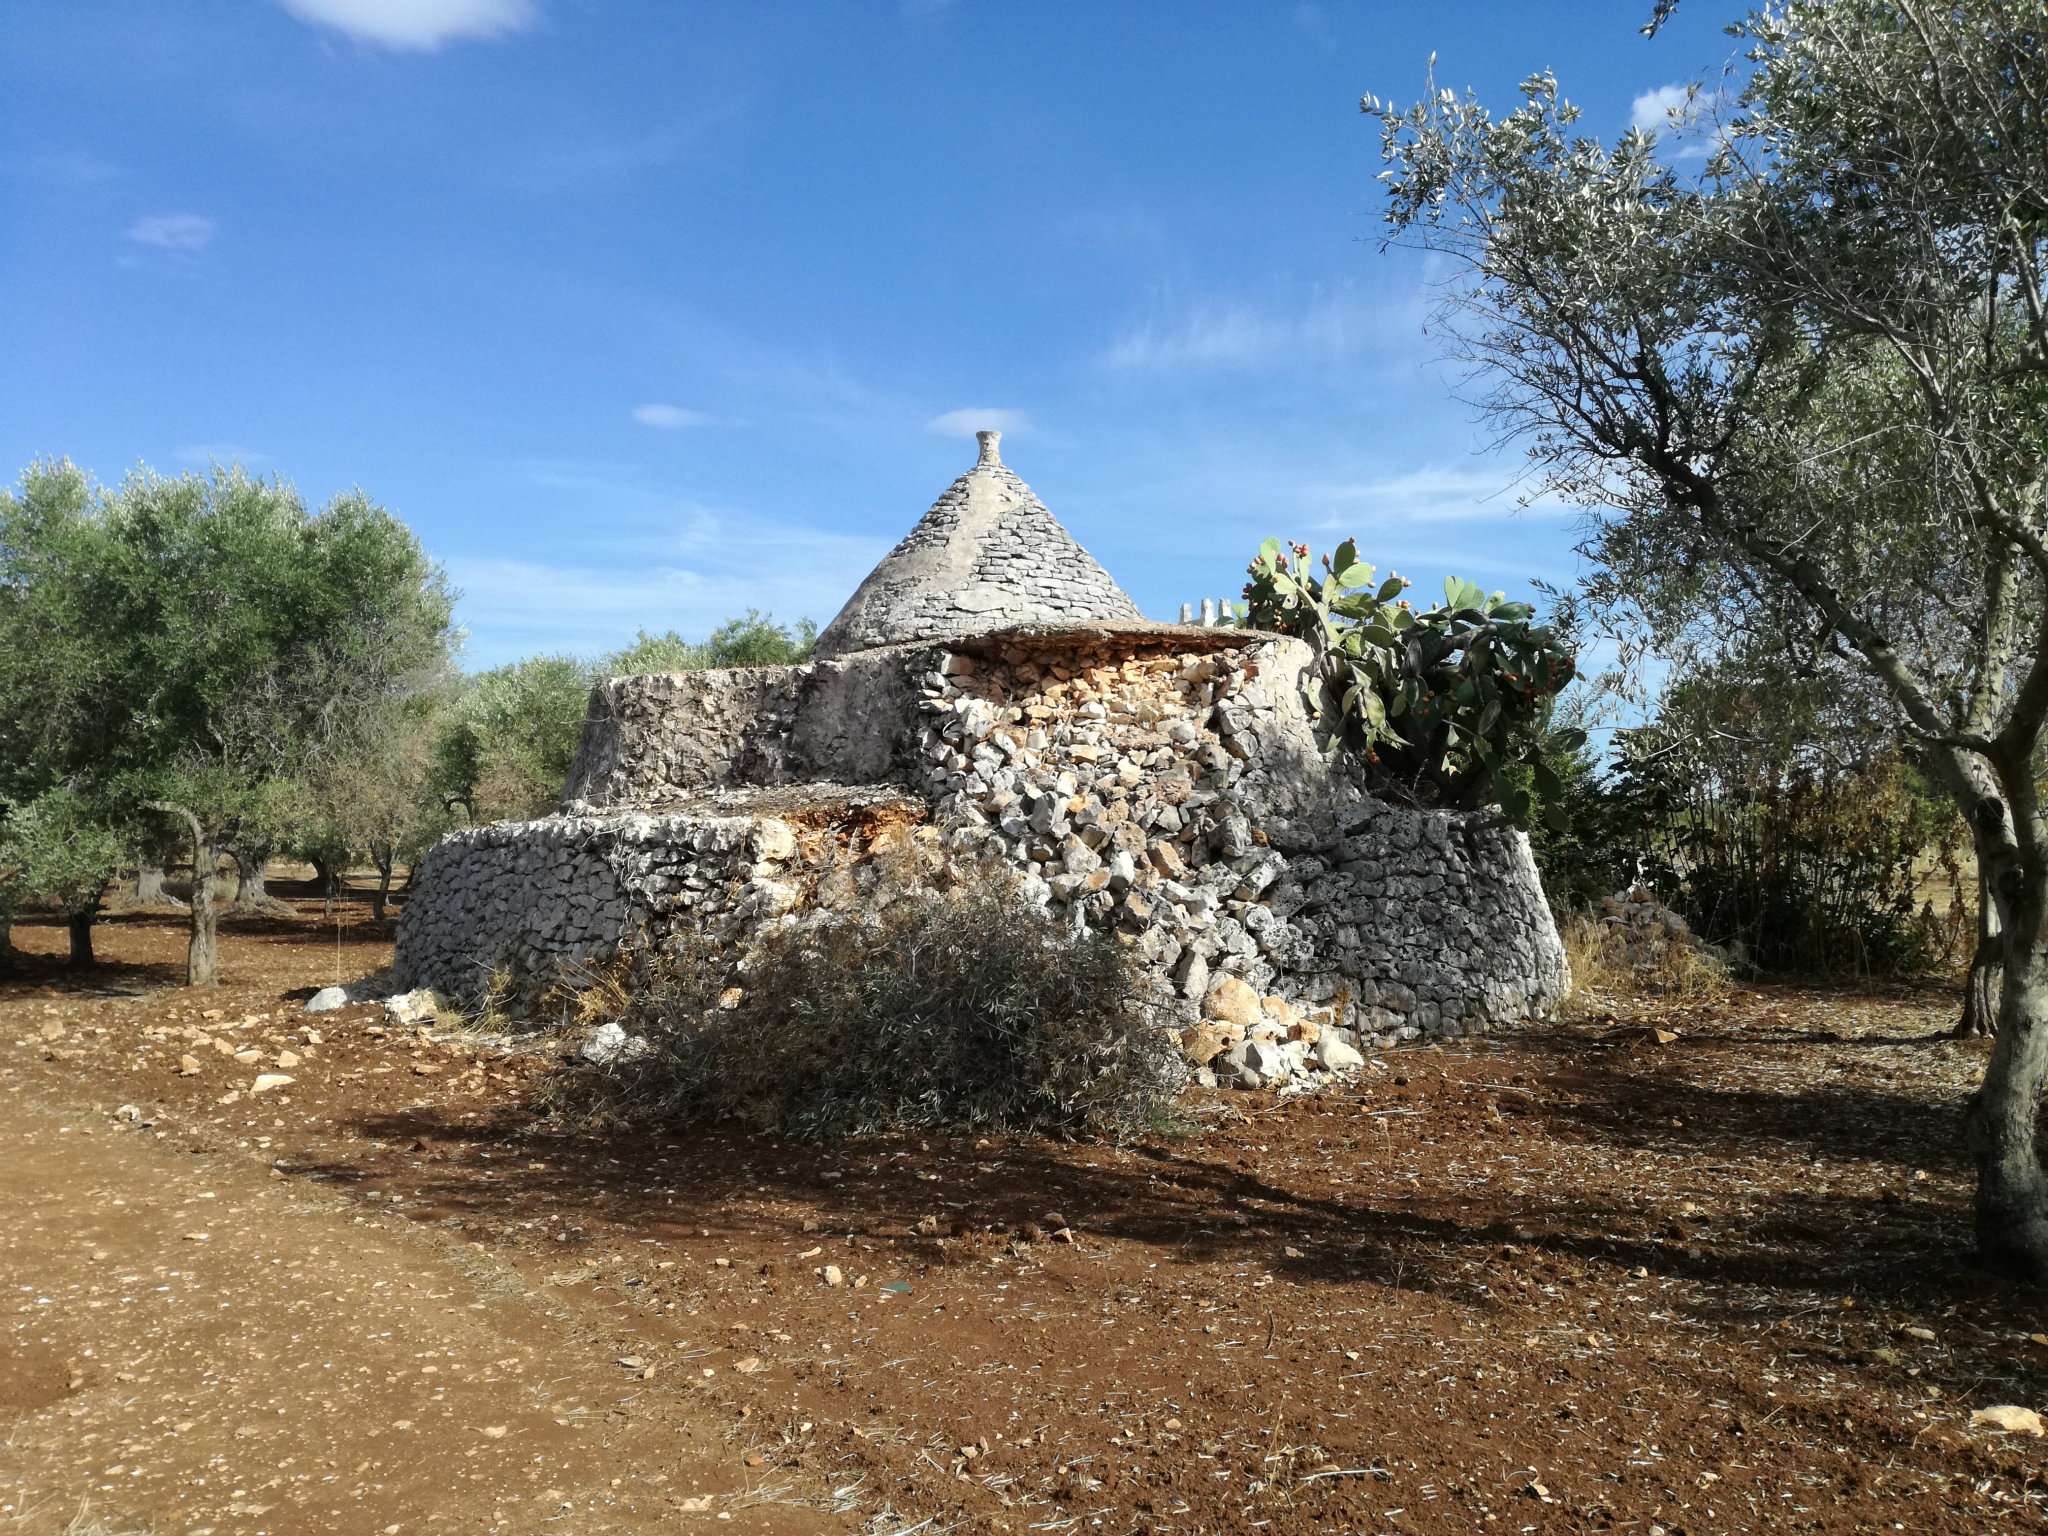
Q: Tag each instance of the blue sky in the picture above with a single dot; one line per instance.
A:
(645, 313)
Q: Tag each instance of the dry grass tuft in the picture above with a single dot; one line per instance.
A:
(1610, 962)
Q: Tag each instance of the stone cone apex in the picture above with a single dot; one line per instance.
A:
(987, 556)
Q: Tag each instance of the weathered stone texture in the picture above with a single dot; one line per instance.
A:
(1168, 789)
(655, 738)
(1182, 799)
(987, 555)
(536, 902)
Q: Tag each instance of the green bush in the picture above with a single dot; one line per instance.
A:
(968, 1009)
(1583, 839)
(1769, 813)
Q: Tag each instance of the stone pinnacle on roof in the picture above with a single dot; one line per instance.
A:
(987, 556)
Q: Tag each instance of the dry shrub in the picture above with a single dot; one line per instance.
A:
(1609, 962)
(965, 1009)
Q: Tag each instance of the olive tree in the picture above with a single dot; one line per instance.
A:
(754, 639)
(59, 845)
(58, 852)
(1808, 383)
(503, 747)
(210, 639)
(375, 798)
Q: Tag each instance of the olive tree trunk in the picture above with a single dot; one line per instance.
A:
(202, 949)
(328, 879)
(1987, 966)
(79, 926)
(149, 884)
(2012, 1189)
(384, 858)
(251, 894)
(2003, 1120)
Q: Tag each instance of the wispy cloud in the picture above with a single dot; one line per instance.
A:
(1421, 563)
(1313, 22)
(69, 168)
(1434, 494)
(571, 164)
(417, 26)
(183, 232)
(974, 418)
(1135, 235)
(590, 477)
(1328, 327)
(204, 454)
(669, 418)
(691, 580)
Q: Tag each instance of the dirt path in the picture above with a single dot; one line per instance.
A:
(189, 1344)
(1709, 1276)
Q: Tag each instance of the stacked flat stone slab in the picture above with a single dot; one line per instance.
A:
(986, 556)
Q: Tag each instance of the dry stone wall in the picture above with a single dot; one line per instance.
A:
(1182, 798)
(653, 739)
(1164, 783)
(525, 905)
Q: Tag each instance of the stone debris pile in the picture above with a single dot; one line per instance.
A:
(1641, 934)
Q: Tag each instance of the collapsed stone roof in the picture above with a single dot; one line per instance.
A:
(987, 556)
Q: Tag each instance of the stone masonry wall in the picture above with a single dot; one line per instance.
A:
(1183, 799)
(1163, 783)
(653, 739)
(528, 903)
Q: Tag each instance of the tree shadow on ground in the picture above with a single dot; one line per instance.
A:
(50, 965)
(1618, 1104)
(1216, 1197)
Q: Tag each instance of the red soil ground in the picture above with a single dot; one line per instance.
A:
(1575, 1280)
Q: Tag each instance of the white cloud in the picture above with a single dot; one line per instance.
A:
(1680, 116)
(975, 418)
(669, 418)
(1330, 328)
(1434, 494)
(71, 168)
(415, 25)
(1651, 111)
(172, 231)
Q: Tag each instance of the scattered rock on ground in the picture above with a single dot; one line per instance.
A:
(1333, 1055)
(609, 1045)
(2010, 1418)
(419, 1006)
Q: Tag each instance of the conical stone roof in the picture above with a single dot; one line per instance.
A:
(988, 555)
